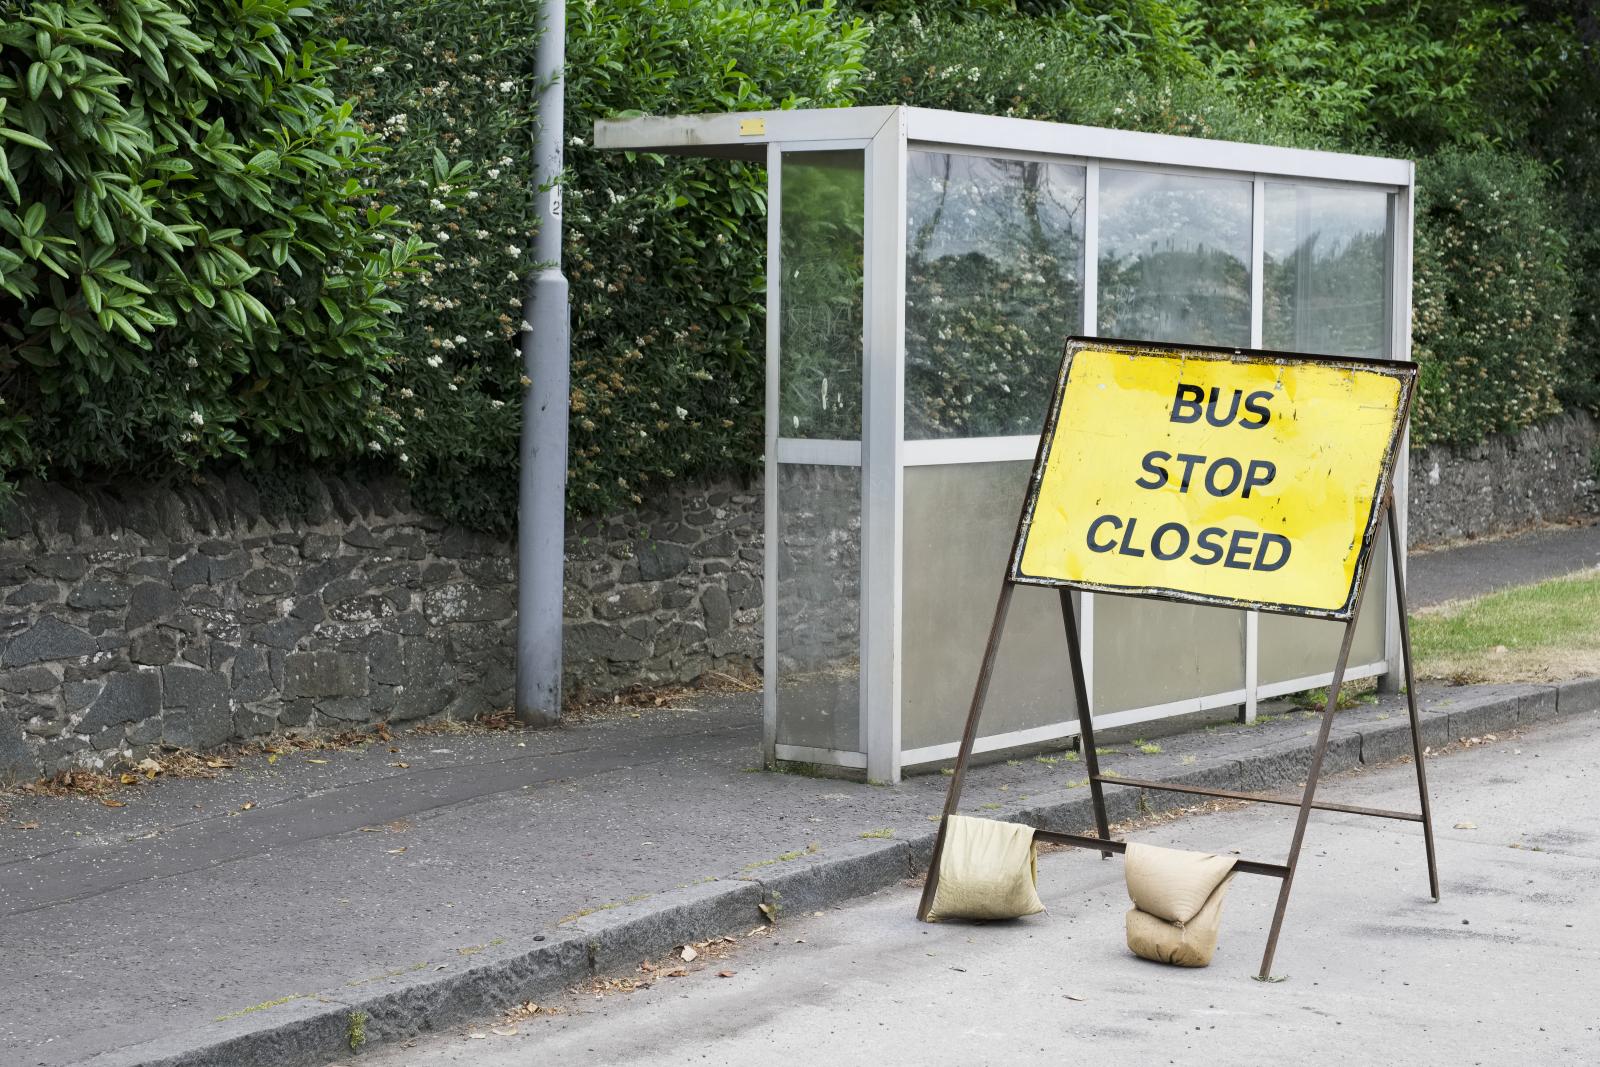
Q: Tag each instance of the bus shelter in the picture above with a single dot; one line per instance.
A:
(924, 269)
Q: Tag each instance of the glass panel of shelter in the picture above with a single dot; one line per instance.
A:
(817, 542)
(1326, 285)
(994, 287)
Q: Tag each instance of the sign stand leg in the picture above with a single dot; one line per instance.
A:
(1398, 565)
(1091, 759)
(969, 735)
(1315, 770)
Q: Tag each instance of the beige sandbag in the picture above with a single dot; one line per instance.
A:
(1172, 884)
(1190, 944)
(1177, 899)
(988, 870)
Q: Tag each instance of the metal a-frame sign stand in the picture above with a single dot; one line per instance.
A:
(1104, 843)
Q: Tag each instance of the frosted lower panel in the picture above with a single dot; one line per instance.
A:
(959, 523)
(818, 541)
(1300, 648)
(1149, 652)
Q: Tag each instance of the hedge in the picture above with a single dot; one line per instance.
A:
(187, 271)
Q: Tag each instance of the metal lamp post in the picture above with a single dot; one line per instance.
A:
(542, 481)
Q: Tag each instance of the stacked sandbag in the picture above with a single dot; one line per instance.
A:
(987, 870)
(1177, 903)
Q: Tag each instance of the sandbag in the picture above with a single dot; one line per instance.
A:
(987, 870)
(1170, 883)
(1177, 900)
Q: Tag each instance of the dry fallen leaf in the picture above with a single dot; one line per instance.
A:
(372, 829)
(689, 955)
(1466, 826)
(504, 1031)
(316, 761)
(29, 825)
(677, 972)
(397, 851)
(110, 803)
(217, 764)
(272, 758)
(768, 911)
(247, 805)
(400, 764)
(128, 779)
(1073, 996)
(479, 1037)
(726, 974)
(647, 966)
(151, 768)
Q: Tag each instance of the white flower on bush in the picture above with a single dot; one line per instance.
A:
(196, 418)
(404, 458)
(441, 237)
(513, 250)
(406, 393)
(436, 204)
(482, 235)
(374, 446)
(377, 70)
(494, 172)
(192, 363)
(435, 361)
(497, 404)
(683, 413)
(507, 86)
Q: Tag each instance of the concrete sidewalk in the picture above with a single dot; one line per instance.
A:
(183, 925)
(1477, 567)
(253, 918)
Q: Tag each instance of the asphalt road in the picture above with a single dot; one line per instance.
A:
(1503, 971)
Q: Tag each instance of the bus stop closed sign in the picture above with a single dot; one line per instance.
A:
(1234, 477)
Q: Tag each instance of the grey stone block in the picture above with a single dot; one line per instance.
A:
(500, 978)
(1486, 710)
(324, 674)
(150, 602)
(660, 559)
(832, 876)
(465, 602)
(35, 593)
(618, 938)
(267, 581)
(1537, 705)
(35, 679)
(719, 611)
(127, 697)
(47, 639)
(155, 648)
(98, 594)
(1578, 696)
(252, 680)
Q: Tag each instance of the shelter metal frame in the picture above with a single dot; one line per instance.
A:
(887, 136)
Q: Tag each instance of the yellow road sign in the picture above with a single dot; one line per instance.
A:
(1234, 477)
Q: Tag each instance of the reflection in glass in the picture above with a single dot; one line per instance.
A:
(818, 541)
(994, 287)
(821, 290)
(1325, 278)
(1174, 258)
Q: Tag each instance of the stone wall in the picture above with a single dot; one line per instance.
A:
(199, 615)
(1544, 473)
(195, 616)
